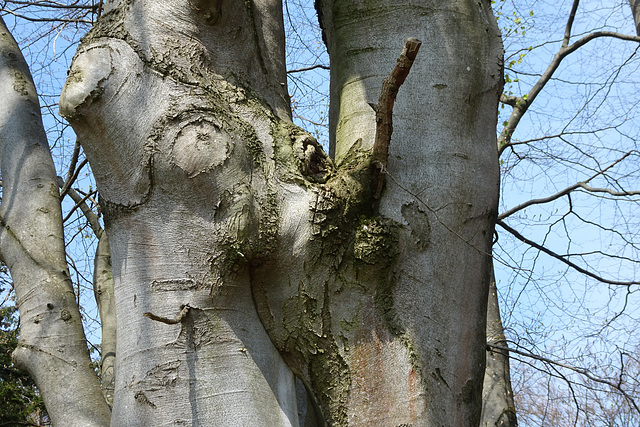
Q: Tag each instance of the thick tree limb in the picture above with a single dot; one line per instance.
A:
(384, 112)
(52, 344)
(635, 9)
(498, 407)
(105, 298)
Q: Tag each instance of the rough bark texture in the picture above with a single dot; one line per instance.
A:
(498, 407)
(52, 344)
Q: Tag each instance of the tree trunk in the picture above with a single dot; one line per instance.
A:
(635, 10)
(498, 407)
(385, 312)
(52, 346)
(183, 184)
(223, 217)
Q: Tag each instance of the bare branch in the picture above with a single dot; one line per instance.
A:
(72, 174)
(582, 184)
(561, 258)
(313, 67)
(572, 16)
(384, 112)
(522, 104)
(80, 201)
(580, 371)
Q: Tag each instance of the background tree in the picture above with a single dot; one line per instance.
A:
(570, 198)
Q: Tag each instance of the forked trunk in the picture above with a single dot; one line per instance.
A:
(223, 217)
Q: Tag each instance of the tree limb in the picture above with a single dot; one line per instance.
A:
(549, 252)
(52, 344)
(522, 104)
(572, 16)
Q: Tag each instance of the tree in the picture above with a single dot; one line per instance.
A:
(368, 272)
(569, 295)
(223, 217)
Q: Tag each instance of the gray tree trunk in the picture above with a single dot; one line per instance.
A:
(243, 255)
(52, 346)
(498, 407)
(635, 9)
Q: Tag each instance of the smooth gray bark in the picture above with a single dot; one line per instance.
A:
(103, 292)
(498, 407)
(164, 100)
(635, 9)
(103, 289)
(442, 189)
(52, 346)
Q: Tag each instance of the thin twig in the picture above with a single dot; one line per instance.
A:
(580, 371)
(71, 172)
(71, 178)
(313, 67)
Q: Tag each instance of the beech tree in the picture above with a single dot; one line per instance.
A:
(242, 256)
(243, 276)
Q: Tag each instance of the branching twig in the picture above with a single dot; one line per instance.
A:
(521, 104)
(80, 201)
(580, 371)
(581, 184)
